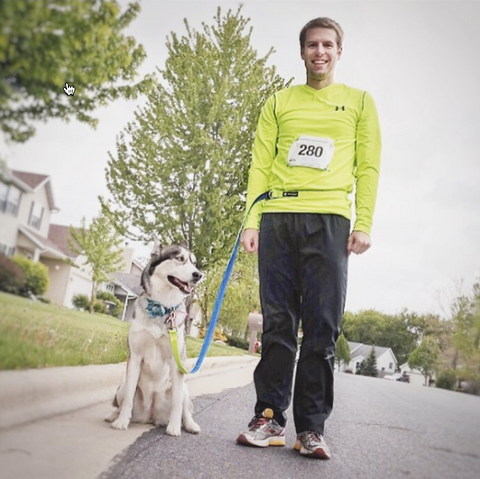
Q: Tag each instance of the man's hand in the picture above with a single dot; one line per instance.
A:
(358, 242)
(249, 240)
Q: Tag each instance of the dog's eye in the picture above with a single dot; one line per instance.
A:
(180, 258)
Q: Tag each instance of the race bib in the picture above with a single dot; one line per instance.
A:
(312, 152)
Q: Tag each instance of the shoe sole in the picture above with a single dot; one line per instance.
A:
(319, 453)
(277, 441)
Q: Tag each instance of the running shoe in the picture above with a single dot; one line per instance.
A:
(312, 444)
(263, 431)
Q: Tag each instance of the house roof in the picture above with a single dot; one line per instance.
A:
(354, 346)
(50, 249)
(129, 281)
(363, 350)
(58, 234)
(31, 182)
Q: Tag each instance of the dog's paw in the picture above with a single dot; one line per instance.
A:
(120, 423)
(192, 427)
(111, 417)
(173, 430)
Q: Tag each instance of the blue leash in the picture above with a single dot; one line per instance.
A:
(221, 291)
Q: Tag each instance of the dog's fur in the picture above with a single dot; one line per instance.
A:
(154, 390)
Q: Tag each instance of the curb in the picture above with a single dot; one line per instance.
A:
(34, 394)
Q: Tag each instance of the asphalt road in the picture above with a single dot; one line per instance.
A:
(379, 429)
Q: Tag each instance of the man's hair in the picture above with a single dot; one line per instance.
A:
(322, 22)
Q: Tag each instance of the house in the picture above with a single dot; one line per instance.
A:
(386, 361)
(26, 208)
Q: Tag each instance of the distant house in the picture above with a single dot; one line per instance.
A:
(26, 207)
(125, 285)
(386, 361)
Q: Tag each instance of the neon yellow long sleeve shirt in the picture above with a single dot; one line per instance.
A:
(344, 118)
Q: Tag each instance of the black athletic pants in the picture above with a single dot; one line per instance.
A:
(303, 276)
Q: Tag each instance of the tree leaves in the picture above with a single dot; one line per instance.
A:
(100, 245)
(45, 44)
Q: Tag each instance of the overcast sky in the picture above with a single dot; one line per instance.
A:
(419, 60)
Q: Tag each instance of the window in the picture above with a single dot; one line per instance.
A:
(7, 250)
(390, 366)
(36, 213)
(3, 195)
(9, 198)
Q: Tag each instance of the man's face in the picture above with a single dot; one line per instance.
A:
(320, 54)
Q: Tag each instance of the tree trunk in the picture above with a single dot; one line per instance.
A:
(94, 295)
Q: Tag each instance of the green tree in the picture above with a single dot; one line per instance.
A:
(181, 167)
(241, 296)
(466, 335)
(401, 332)
(369, 365)
(101, 246)
(364, 327)
(425, 357)
(398, 335)
(342, 351)
(45, 44)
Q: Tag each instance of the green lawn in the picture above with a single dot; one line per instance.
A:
(36, 335)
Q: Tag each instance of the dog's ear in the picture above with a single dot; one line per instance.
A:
(157, 246)
(184, 244)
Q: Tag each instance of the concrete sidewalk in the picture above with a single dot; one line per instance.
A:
(51, 420)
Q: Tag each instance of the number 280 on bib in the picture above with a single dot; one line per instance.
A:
(311, 152)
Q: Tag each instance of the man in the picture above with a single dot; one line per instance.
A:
(314, 143)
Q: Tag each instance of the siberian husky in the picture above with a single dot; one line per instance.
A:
(154, 390)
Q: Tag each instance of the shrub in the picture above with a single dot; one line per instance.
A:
(107, 296)
(446, 380)
(100, 307)
(81, 302)
(12, 278)
(36, 276)
(238, 342)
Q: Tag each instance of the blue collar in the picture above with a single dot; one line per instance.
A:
(157, 310)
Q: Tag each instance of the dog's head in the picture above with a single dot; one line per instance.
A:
(171, 273)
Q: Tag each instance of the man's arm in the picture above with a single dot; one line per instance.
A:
(263, 154)
(367, 161)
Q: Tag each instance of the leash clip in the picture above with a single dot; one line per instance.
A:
(171, 318)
